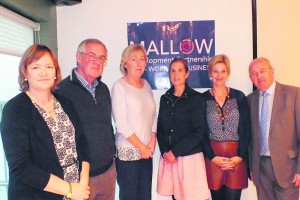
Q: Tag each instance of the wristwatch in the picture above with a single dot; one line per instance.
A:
(69, 195)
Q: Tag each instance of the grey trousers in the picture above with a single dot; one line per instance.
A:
(268, 187)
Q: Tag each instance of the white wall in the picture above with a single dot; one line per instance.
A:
(279, 37)
(106, 20)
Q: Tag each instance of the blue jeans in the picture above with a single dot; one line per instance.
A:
(134, 179)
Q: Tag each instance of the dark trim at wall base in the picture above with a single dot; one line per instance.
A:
(254, 31)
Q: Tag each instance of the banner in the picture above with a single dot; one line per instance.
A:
(192, 40)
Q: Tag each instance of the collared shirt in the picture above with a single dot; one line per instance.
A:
(90, 87)
(270, 92)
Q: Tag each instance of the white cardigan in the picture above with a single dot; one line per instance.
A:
(134, 111)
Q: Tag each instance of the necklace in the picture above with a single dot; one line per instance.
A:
(222, 116)
(48, 107)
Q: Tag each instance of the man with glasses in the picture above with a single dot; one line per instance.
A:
(91, 99)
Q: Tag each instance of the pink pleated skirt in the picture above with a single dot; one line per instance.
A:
(186, 179)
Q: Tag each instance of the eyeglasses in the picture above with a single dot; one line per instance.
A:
(94, 57)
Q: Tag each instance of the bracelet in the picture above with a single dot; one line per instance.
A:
(69, 194)
(164, 154)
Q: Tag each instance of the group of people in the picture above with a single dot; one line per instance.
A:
(59, 140)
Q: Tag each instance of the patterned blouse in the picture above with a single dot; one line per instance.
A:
(236, 127)
(226, 130)
(63, 134)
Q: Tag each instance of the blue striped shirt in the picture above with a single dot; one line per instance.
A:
(90, 87)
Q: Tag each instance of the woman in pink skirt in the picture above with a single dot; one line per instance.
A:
(180, 131)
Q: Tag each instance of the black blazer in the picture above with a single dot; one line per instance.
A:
(30, 150)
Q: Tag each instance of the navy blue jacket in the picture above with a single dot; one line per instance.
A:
(29, 148)
(95, 118)
(181, 124)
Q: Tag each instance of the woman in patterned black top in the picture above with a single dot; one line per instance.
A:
(46, 151)
(227, 134)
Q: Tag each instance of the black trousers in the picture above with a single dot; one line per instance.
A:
(226, 193)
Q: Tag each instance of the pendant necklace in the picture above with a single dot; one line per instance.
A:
(222, 115)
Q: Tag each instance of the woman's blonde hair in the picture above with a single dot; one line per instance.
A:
(127, 52)
(222, 58)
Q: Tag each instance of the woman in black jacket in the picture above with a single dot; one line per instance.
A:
(180, 131)
(47, 152)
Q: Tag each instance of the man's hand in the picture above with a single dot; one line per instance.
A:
(296, 180)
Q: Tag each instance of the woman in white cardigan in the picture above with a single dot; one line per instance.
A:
(135, 116)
